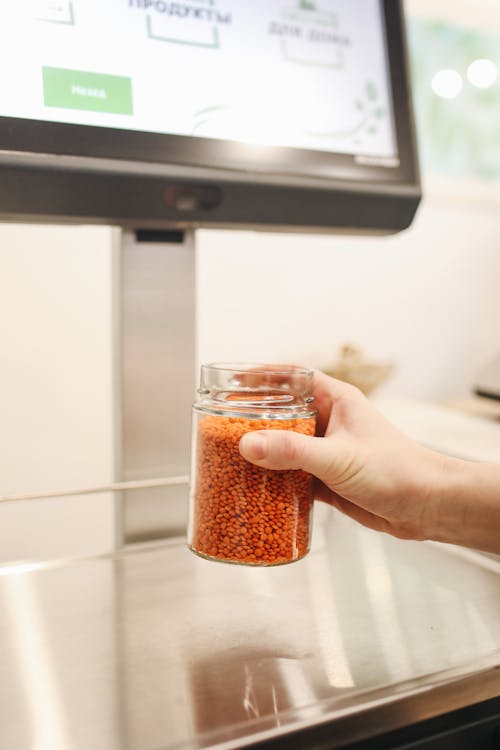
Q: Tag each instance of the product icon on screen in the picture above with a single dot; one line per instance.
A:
(61, 11)
(311, 35)
(195, 25)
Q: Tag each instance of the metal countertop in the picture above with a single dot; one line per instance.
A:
(155, 648)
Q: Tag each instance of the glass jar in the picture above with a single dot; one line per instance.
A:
(239, 512)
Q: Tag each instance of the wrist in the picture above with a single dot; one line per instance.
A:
(464, 505)
(444, 505)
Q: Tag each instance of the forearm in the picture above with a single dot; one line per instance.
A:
(465, 505)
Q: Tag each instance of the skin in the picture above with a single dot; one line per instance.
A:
(379, 477)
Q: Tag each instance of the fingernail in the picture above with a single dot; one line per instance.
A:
(253, 446)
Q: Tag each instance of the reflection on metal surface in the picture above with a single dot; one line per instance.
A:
(329, 633)
(389, 630)
(297, 683)
(58, 658)
(44, 721)
(154, 647)
(482, 559)
(482, 634)
(249, 704)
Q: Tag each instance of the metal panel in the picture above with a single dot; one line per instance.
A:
(158, 369)
(154, 647)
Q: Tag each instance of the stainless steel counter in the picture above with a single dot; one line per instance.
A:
(154, 648)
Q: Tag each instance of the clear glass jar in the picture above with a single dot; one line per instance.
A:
(239, 512)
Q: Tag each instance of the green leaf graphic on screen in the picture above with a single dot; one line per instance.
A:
(206, 115)
(368, 114)
(307, 5)
(371, 91)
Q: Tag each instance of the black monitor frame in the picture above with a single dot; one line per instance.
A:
(60, 172)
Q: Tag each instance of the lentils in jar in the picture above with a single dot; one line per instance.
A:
(240, 512)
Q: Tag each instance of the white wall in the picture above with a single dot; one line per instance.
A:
(56, 388)
(427, 299)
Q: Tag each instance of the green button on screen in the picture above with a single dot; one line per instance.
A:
(94, 92)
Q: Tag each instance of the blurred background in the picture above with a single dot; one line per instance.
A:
(426, 301)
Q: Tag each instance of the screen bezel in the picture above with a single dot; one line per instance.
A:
(47, 137)
(54, 172)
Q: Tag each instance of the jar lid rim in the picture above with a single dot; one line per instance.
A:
(258, 369)
(304, 411)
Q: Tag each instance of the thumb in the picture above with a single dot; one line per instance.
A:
(284, 449)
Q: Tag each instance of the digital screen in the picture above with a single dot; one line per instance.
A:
(308, 74)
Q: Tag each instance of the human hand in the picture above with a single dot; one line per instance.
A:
(364, 466)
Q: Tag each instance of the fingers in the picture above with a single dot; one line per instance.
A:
(327, 392)
(360, 515)
(331, 388)
(283, 449)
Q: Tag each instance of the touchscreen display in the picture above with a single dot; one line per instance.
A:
(308, 74)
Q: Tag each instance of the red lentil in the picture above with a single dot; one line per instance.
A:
(242, 513)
